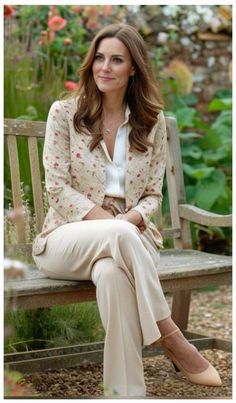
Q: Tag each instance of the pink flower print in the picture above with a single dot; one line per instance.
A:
(56, 164)
(78, 155)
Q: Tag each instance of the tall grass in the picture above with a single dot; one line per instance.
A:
(54, 327)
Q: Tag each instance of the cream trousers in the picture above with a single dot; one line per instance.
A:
(122, 263)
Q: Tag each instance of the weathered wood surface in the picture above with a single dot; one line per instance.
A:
(203, 217)
(24, 128)
(179, 269)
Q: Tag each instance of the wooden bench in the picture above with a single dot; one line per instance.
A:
(182, 269)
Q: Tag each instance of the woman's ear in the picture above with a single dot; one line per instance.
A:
(132, 71)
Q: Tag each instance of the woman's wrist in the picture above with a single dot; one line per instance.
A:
(133, 217)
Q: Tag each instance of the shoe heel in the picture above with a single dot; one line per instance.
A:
(175, 367)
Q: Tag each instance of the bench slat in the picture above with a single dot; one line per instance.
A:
(24, 128)
(174, 265)
(16, 188)
(36, 182)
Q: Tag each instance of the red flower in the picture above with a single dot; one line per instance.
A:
(71, 85)
(56, 23)
(8, 11)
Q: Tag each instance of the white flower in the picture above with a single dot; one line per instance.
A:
(215, 24)
(162, 37)
(185, 41)
(171, 11)
(193, 18)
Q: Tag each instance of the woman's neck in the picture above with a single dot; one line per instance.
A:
(112, 105)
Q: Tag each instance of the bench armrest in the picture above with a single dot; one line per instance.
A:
(203, 217)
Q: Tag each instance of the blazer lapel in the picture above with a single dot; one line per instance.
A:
(137, 168)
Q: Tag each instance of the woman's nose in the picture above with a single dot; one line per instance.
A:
(106, 65)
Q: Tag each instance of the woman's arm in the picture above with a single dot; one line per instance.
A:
(152, 197)
(67, 201)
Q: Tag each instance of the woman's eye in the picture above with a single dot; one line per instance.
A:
(98, 57)
(117, 60)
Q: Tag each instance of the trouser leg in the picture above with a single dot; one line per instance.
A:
(72, 250)
(123, 367)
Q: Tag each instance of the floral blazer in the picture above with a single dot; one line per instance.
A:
(75, 176)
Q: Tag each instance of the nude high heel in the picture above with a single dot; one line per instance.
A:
(208, 377)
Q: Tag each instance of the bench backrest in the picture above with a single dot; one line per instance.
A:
(33, 131)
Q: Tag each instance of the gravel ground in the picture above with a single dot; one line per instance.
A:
(210, 314)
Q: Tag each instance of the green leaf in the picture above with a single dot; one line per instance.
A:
(190, 99)
(211, 156)
(198, 171)
(220, 104)
(210, 190)
(211, 140)
(224, 93)
(189, 135)
(185, 117)
(191, 150)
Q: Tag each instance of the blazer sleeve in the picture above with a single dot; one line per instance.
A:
(152, 196)
(62, 197)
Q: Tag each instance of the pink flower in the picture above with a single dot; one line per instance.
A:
(8, 11)
(56, 23)
(107, 10)
(93, 24)
(71, 85)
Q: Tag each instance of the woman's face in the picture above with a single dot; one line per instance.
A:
(112, 66)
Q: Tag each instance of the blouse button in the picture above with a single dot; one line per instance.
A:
(126, 210)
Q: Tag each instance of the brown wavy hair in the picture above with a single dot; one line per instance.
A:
(142, 94)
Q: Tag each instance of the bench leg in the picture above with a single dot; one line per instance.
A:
(180, 308)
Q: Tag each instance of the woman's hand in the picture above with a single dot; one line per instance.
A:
(134, 218)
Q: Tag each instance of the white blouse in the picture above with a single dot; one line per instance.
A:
(116, 168)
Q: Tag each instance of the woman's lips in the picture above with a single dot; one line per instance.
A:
(106, 78)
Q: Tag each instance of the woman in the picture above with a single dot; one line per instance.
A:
(104, 159)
